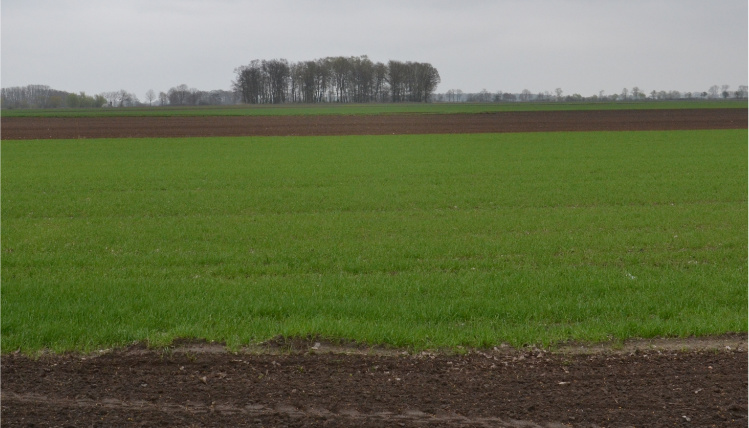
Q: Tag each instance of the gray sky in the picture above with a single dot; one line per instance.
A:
(581, 46)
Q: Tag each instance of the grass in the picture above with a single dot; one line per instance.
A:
(420, 241)
(366, 109)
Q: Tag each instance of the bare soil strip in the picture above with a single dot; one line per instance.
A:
(545, 121)
(494, 388)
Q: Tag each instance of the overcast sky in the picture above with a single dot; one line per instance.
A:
(581, 46)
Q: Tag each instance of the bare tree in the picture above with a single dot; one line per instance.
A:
(397, 72)
(559, 92)
(278, 73)
(179, 95)
(150, 96)
(111, 98)
(525, 95)
(380, 82)
(249, 85)
(340, 71)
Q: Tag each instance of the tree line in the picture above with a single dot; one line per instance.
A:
(634, 94)
(312, 85)
(42, 96)
(334, 79)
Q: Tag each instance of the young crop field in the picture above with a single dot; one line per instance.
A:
(422, 241)
(367, 109)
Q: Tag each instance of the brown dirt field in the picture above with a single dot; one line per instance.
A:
(653, 383)
(614, 120)
(302, 383)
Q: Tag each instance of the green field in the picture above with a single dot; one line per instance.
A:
(421, 241)
(366, 109)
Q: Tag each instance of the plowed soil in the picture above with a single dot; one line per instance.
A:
(647, 385)
(669, 382)
(613, 120)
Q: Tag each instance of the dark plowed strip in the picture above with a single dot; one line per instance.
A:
(602, 120)
(651, 388)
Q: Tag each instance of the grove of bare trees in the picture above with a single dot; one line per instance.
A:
(334, 79)
(182, 95)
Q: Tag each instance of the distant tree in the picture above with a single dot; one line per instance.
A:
(99, 101)
(724, 91)
(525, 95)
(625, 94)
(278, 73)
(450, 95)
(742, 92)
(179, 95)
(380, 87)
(635, 92)
(426, 80)
(714, 91)
(54, 101)
(250, 83)
(397, 80)
(73, 101)
(123, 98)
(340, 72)
(150, 96)
(163, 98)
(111, 98)
(558, 91)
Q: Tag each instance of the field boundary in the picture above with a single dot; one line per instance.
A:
(300, 346)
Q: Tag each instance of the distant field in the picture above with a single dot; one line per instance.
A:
(363, 109)
(421, 240)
